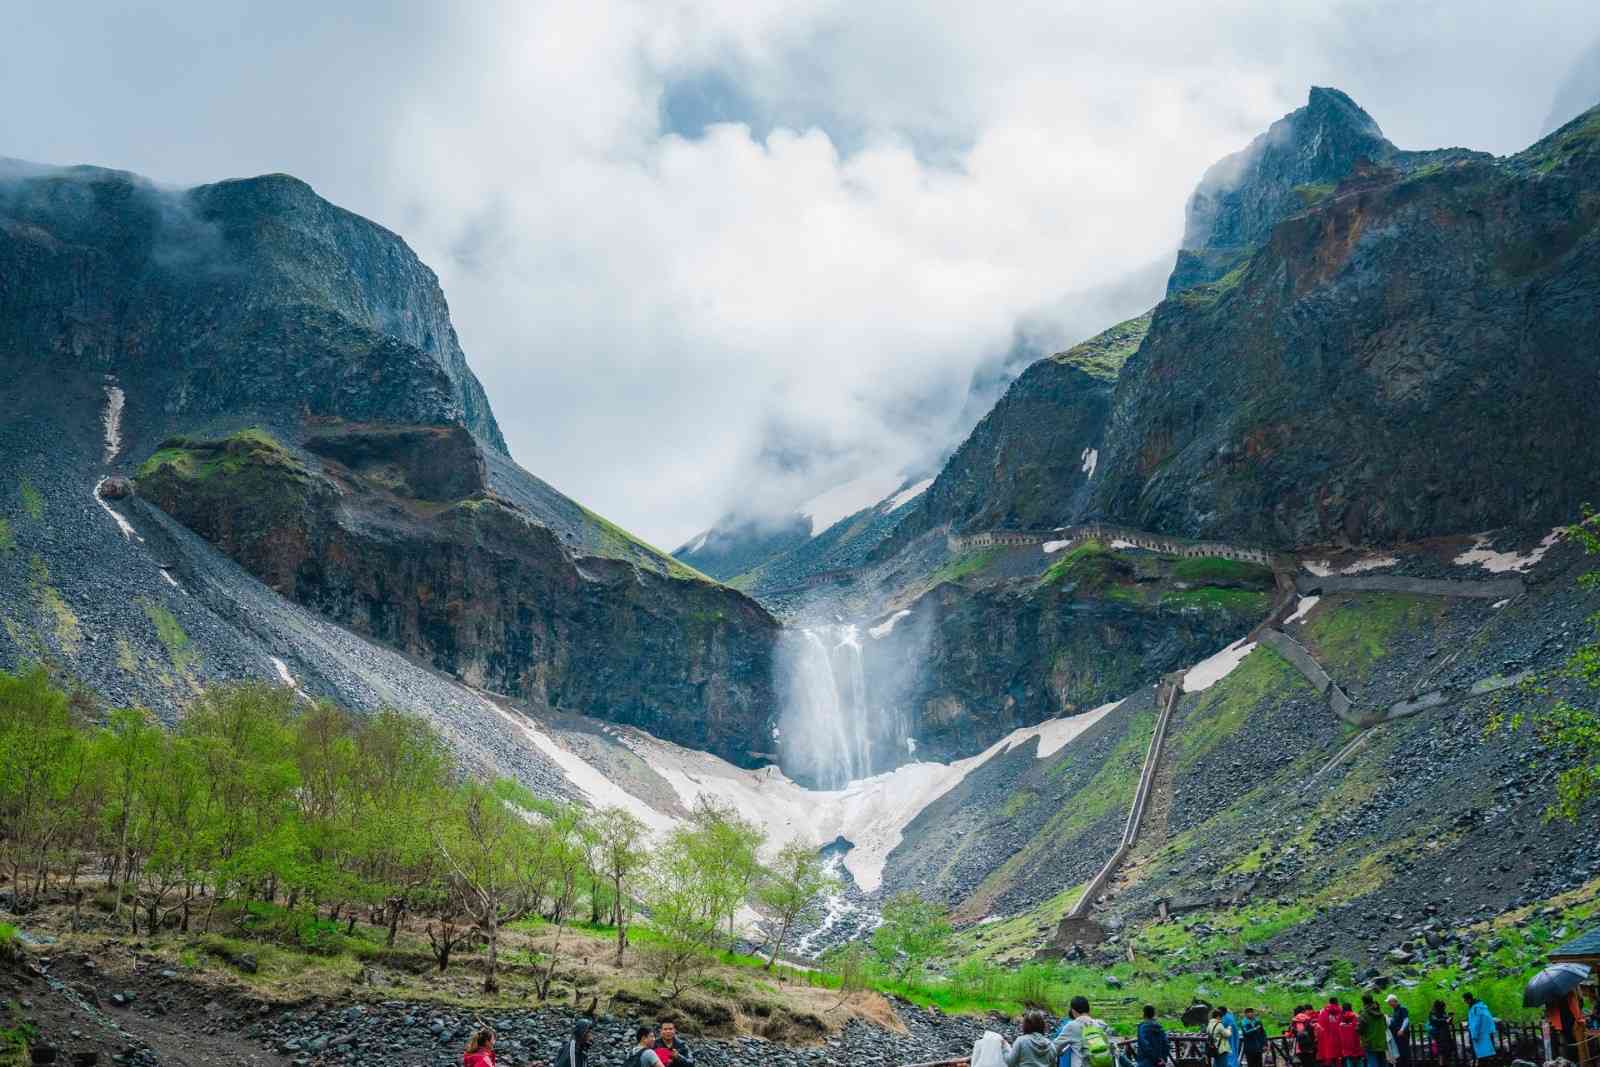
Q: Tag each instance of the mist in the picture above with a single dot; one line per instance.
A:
(712, 258)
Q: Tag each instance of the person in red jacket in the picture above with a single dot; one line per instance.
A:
(1302, 1033)
(1350, 1037)
(1330, 1048)
(480, 1050)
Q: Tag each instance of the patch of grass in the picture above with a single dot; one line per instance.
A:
(32, 501)
(1314, 192)
(1103, 355)
(1017, 803)
(172, 636)
(1063, 567)
(1352, 635)
(621, 544)
(1216, 569)
(1580, 135)
(194, 458)
(1263, 677)
(1219, 598)
(126, 659)
(1207, 296)
(69, 635)
(8, 540)
(964, 566)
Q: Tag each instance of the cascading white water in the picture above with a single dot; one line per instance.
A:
(831, 726)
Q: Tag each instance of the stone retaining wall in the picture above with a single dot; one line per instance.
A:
(1488, 589)
(1077, 535)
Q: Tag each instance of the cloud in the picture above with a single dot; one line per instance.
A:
(713, 256)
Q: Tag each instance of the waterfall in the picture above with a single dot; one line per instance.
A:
(831, 726)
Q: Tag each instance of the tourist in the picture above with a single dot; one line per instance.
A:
(644, 1054)
(480, 1050)
(1441, 1031)
(1303, 1032)
(670, 1049)
(1232, 1026)
(1480, 1027)
(1252, 1039)
(1084, 1038)
(1032, 1048)
(1152, 1049)
(1350, 1050)
(575, 1050)
(988, 1051)
(1218, 1050)
(1399, 1030)
(1329, 1048)
(1374, 1032)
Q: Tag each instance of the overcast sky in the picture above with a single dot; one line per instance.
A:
(714, 254)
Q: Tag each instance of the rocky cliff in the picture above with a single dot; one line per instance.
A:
(285, 376)
(1402, 359)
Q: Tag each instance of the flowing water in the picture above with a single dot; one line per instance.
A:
(834, 728)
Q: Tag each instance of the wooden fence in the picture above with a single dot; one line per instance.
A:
(1512, 1041)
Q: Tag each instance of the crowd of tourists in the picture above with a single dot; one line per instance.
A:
(1336, 1035)
(654, 1046)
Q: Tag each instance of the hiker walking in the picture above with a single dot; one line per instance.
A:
(671, 1050)
(1480, 1027)
(1085, 1040)
(1032, 1048)
(1374, 1032)
(1218, 1050)
(1399, 1030)
(1152, 1049)
(575, 1050)
(1252, 1039)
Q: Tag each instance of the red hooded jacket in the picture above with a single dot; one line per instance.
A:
(1330, 1044)
(484, 1057)
(1350, 1035)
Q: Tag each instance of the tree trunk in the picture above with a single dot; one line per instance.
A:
(396, 906)
(783, 932)
(491, 980)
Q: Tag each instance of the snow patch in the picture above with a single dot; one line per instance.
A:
(1091, 460)
(1319, 567)
(845, 500)
(1051, 547)
(116, 516)
(170, 580)
(1372, 563)
(699, 542)
(1211, 670)
(1120, 543)
(906, 496)
(1500, 603)
(1302, 609)
(1055, 733)
(884, 628)
(1499, 562)
(112, 418)
(283, 670)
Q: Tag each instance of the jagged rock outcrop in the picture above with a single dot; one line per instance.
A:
(292, 375)
(1405, 358)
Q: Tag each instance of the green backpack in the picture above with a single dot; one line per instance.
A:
(1097, 1047)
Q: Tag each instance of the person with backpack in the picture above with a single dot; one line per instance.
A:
(575, 1050)
(1374, 1032)
(1252, 1039)
(1480, 1027)
(1303, 1034)
(1032, 1048)
(1085, 1039)
(644, 1054)
(671, 1049)
(1152, 1049)
(1218, 1049)
(1350, 1048)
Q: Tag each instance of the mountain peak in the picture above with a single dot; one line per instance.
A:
(1243, 195)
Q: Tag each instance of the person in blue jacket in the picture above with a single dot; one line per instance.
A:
(1231, 1024)
(1480, 1027)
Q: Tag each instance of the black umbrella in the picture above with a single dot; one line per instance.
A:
(1553, 983)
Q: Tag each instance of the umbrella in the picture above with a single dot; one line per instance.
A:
(1553, 983)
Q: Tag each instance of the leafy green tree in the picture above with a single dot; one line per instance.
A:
(45, 774)
(488, 846)
(913, 932)
(722, 847)
(620, 856)
(793, 888)
(126, 749)
(684, 909)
